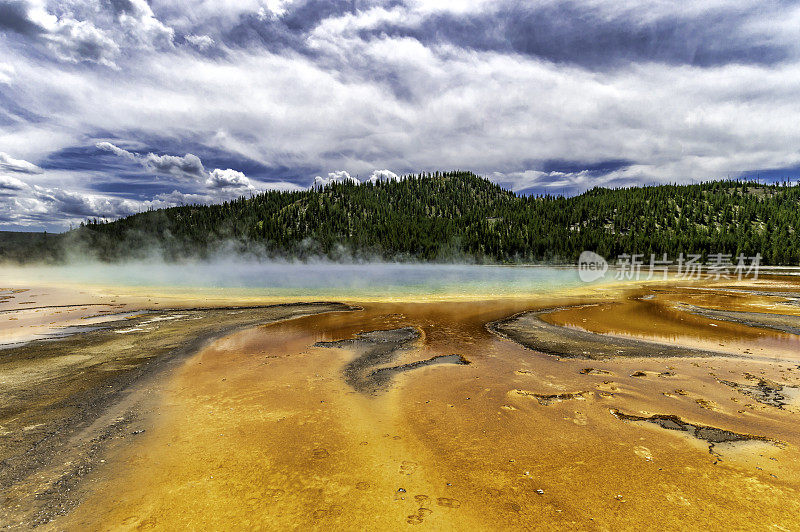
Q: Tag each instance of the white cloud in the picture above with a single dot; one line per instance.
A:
(273, 8)
(58, 208)
(220, 184)
(203, 42)
(334, 177)
(11, 183)
(116, 150)
(218, 178)
(79, 204)
(342, 176)
(176, 198)
(364, 100)
(22, 210)
(677, 121)
(383, 175)
(84, 31)
(187, 166)
(9, 164)
(143, 28)
(79, 40)
(281, 186)
(6, 73)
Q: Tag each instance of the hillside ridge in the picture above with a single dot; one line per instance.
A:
(453, 216)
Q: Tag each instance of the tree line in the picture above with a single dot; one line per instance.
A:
(452, 216)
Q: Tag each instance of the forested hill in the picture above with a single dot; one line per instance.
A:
(460, 216)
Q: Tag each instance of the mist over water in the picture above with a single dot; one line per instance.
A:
(319, 279)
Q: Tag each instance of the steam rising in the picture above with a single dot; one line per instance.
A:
(308, 280)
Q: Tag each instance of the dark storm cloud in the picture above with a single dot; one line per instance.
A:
(303, 16)
(90, 49)
(574, 167)
(120, 6)
(567, 32)
(564, 32)
(14, 17)
(274, 33)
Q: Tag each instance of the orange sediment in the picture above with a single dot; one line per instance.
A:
(261, 430)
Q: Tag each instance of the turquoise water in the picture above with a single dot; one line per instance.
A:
(372, 280)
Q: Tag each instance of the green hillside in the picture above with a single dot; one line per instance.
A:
(457, 216)
(23, 246)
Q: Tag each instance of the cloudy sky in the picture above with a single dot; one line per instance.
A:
(108, 107)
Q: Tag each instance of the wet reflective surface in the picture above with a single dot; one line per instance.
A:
(662, 316)
(263, 429)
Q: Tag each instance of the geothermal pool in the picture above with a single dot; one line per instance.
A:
(452, 397)
(287, 280)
